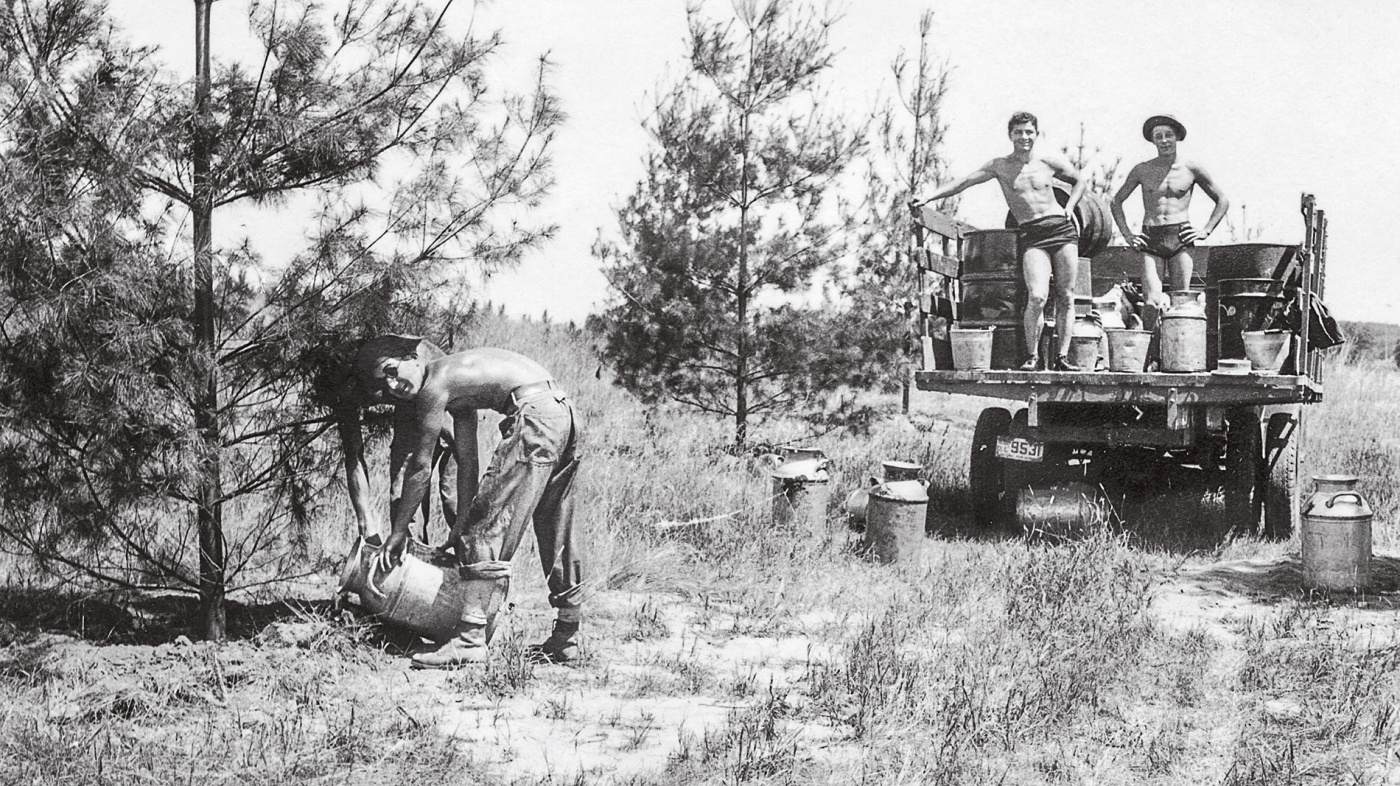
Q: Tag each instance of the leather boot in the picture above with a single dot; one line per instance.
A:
(467, 648)
(561, 646)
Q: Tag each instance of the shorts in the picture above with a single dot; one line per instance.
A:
(1164, 240)
(1048, 233)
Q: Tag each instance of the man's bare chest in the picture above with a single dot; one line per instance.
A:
(1032, 177)
(1168, 182)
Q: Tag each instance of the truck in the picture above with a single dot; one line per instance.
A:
(1116, 432)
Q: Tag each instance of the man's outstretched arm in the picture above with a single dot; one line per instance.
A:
(957, 186)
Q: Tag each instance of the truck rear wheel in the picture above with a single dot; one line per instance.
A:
(1281, 503)
(1244, 463)
(984, 470)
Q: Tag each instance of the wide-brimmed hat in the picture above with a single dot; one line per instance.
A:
(1163, 120)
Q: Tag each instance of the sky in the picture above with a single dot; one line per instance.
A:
(1279, 97)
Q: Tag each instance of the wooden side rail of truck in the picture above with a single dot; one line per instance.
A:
(1111, 430)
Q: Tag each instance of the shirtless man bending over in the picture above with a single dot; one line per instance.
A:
(530, 479)
(357, 396)
(1167, 182)
(1049, 240)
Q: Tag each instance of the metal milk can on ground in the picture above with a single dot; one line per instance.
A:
(801, 490)
(1336, 535)
(894, 520)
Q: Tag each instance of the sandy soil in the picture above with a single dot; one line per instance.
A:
(661, 672)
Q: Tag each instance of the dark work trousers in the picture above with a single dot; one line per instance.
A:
(531, 478)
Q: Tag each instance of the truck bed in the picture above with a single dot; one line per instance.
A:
(1125, 388)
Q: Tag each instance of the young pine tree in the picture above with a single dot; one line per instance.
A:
(723, 238)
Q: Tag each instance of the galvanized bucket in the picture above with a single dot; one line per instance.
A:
(1127, 349)
(1266, 350)
(972, 348)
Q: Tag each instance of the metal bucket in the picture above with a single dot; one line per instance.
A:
(1266, 349)
(1127, 349)
(424, 594)
(1084, 351)
(972, 348)
(894, 520)
(1244, 313)
(1336, 536)
(1007, 348)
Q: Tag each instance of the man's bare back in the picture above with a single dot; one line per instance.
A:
(528, 482)
(473, 379)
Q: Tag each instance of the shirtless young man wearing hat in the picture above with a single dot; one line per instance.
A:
(1049, 239)
(1167, 182)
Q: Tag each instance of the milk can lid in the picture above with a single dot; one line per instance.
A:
(901, 491)
(807, 469)
(1341, 506)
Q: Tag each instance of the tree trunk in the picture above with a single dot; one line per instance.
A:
(206, 405)
(741, 304)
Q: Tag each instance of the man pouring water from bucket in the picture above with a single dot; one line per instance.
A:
(357, 395)
(530, 479)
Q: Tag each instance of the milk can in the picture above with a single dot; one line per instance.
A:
(1086, 343)
(801, 488)
(1336, 535)
(424, 594)
(1182, 333)
(894, 520)
(858, 501)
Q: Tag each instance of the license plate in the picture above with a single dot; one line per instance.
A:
(1020, 449)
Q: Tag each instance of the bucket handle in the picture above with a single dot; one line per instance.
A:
(369, 579)
(1341, 494)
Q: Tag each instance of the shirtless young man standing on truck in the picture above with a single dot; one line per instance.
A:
(1167, 182)
(1049, 241)
(530, 480)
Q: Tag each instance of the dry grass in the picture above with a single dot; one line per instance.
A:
(724, 652)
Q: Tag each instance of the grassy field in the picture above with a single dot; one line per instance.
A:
(1157, 650)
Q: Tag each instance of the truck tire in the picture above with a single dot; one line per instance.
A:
(984, 470)
(1244, 462)
(1281, 503)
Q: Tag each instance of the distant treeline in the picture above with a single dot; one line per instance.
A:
(1371, 341)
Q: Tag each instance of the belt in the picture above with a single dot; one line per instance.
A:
(520, 394)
